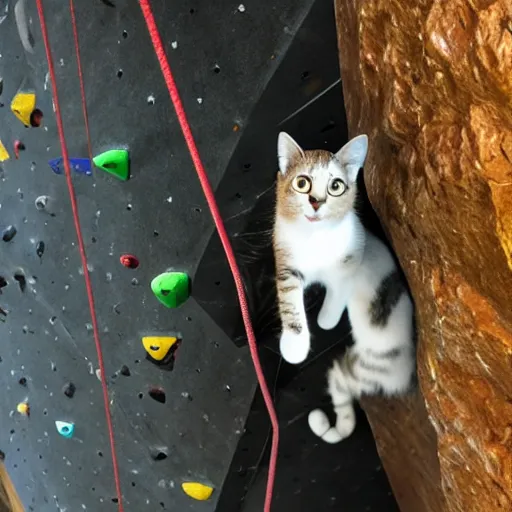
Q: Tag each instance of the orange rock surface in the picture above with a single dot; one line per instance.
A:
(430, 81)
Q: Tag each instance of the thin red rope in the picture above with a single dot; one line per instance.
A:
(81, 246)
(80, 76)
(210, 198)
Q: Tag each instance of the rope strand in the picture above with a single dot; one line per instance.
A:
(210, 198)
(81, 246)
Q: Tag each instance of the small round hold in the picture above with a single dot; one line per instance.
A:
(23, 408)
(129, 261)
(41, 202)
(9, 233)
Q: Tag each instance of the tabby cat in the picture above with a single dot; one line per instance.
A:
(318, 238)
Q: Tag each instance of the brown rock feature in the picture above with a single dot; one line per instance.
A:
(430, 81)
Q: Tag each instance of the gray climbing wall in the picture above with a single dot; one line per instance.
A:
(223, 54)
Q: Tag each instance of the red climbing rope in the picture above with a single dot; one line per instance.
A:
(210, 198)
(83, 256)
(80, 76)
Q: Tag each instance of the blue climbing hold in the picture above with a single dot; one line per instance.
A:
(79, 165)
(65, 429)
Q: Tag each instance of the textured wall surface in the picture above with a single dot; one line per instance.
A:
(431, 83)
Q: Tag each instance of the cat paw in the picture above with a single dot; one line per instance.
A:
(294, 347)
(346, 423)
(328, 318)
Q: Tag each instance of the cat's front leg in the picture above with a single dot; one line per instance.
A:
(335, 302)
(295, 337)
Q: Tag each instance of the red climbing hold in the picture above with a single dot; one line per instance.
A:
(18, 146)
(129, 261)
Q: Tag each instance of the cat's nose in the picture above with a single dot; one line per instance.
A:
(315, 203)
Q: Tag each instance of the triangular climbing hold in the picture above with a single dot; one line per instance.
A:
(115, 162)
(160, 350)
(65, 429)
(79, 165)
(22, 106)
(4, 154)
(171, 288)
(197, 491)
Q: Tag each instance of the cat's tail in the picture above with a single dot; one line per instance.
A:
(320, 426)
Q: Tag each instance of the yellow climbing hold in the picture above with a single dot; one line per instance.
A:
(4, 154)
(22, 106)
(197, 491)
(158, 346)
(23, 408)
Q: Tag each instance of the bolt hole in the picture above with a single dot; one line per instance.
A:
(115, 500)
(94, 239)
(217, 283)
(189, 319)
(198, 210)
(216, 69)
(99, 453)
(23, 381)
(305, 75)
(125, 34)
(238, 195)
(36, 118)
(133, 484)
(156, 233)
(157, 394)
(141, 395)
(247, 167)
(129, 207)
(119, 73)
(192, 11)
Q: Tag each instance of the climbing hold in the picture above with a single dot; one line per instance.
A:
(69, 389)
(23, 105)
(36, 118)
(129, 261)
(171, 288)
(79, 165)
(18, 146)
(40, 249)
(9, 233)
(41, 202)
(197, 491)
(115, 162)
(23, 408)
(161, 350)
(125, 371)
(4, 154)
(65, 429)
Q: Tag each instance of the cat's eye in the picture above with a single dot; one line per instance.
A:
(302, 184)
(336, 187)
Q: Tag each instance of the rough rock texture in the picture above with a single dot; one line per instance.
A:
(431, 83)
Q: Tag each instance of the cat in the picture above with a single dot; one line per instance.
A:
(319, 238)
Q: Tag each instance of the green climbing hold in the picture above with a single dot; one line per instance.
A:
(115, 161)
(171, 288)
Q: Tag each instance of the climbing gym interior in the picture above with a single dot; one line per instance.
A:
(139, 330)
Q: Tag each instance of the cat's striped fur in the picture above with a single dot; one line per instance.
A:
(318, 237)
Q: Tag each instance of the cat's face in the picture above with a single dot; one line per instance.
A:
(316, 186)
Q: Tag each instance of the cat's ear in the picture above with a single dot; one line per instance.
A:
(352, 155)
(287, 150)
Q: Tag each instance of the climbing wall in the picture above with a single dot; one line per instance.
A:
(179, 413)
